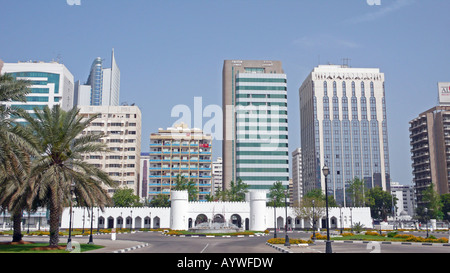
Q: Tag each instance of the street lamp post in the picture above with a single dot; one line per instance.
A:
(340, 217)
(314, 222)
(91, 241)
(351, 220)
(69, 240)
(326, 171)
(274, 219)
(286, 243)
(426, 219)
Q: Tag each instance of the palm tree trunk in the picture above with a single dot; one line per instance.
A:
(17, 231)
(55, 216)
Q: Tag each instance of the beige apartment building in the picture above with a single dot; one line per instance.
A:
(122, 127)
(430, 150)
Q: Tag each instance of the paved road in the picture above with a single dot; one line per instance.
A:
(168, 244)
(157, 243)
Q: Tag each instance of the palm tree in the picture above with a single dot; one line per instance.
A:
(276, 194)
(14, 150)
(237, 191)
(58, 170)
(183, 184)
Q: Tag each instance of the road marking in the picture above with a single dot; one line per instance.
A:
(204, 248)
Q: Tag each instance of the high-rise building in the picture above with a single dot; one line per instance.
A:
(103, 85)
(122, 127)
(1, 66)
(144, 175)
(217, 174)
(179, 150)
(430, 150)
(297, 178)
(405, 199)
(344, 126)
(51, 84)
(255, 127)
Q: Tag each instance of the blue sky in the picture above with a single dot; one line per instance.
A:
(171, 51)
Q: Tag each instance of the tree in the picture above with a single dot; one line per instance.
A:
(276, 194)
(182, 184)
(14, 151)
(433, 203)
(318, 194)
(445, 199)
(380, 203)
(356, 192)
(312, 207)
(126, 198)
(161, 200)
(237, 191)
(58, 170)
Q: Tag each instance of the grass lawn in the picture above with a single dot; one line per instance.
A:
(31, 248)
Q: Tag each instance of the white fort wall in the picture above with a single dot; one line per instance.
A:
(251, 215)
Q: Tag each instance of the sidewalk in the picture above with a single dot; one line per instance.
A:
(110, 246)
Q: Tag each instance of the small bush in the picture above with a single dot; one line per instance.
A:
(320, 236)
(347, 234)
(372, 233)
(392, 234)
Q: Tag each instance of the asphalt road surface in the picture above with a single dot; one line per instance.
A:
(168, 244)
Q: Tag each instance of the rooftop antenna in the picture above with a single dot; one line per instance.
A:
(345, 62)
(59, 59)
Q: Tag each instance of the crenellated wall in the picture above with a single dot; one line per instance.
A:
(251, 215)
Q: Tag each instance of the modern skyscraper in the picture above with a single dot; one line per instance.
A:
(180, 150)
(122, 127)
(51, 84)
(430, 150)
(344, 126)
(255, 127)
(297, 178)
(104, 85)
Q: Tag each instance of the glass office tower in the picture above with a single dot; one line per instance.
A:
(255, 128)
(50, 84)
(344, 126)
(104, 83)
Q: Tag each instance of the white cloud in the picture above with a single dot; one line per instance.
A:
(383, 10)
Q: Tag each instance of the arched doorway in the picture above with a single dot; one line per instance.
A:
(280, 222)
(236, 220)
(110, 222)
(138, 223)
(219, 218)
(101, 222)
(156, 222)
(201, 218)
(147, 222)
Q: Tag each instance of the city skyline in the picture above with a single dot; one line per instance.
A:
(179, 49)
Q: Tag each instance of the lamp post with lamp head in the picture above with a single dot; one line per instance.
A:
(326, 172)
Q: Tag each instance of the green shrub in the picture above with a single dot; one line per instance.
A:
(392, 234)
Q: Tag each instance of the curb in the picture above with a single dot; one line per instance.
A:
(389, 243)
(130, 248)
(279, 248)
